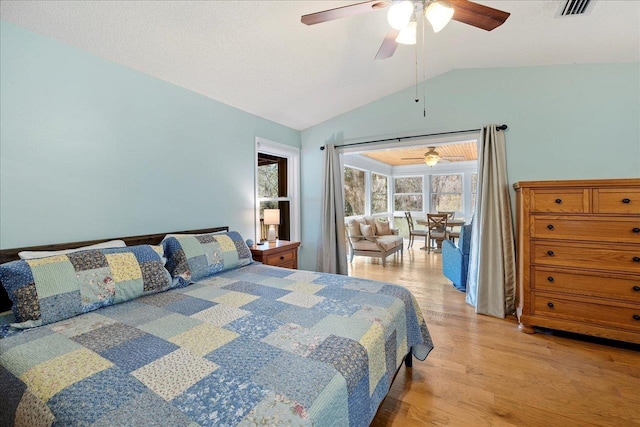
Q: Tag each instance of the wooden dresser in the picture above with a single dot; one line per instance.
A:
(579, 256)
(280, 253)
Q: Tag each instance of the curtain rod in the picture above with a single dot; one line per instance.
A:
(400, 138)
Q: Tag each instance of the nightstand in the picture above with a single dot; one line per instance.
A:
(280, 253)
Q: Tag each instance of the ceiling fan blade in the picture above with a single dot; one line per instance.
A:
(389, 45)
(412, 158)
(478, 15)
(341, 12)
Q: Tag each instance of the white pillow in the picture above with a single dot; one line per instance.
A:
(42, 254)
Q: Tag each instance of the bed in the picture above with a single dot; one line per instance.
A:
(193, 333)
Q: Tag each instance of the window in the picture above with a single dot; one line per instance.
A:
(446, 193)
(474, 191)
(277, 188)
(354, 191)
(379, 194)
(408, 194)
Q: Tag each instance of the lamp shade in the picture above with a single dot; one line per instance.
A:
(271, 216)
(408, 34)
(399, 14)
(439, 14)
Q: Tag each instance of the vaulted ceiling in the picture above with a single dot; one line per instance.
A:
(258, 56)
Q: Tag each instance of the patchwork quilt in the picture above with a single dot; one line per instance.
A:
(257, 345)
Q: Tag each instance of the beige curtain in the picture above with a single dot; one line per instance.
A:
(332, 252)
(492, 279)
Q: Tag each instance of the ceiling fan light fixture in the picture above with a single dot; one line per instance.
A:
(431, 157)
(399, 14)
(408, 34)
(431, 160)
(439, 13)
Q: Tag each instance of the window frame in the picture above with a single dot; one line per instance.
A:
(423, 193)
(388, 178)
(292, 154)
(367, 190)
(461, 193)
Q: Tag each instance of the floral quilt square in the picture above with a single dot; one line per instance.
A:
(203, 338)
(52, 376)
(301, 299)
(295, 339)
(124, 266)
(174, 373)
(277, 375)
(254, 326)
(107, 336)
(189, 305)
(108, 389)
(220, 399)
(88, 260)
(135, 353)
(352, 363)
(170, 325)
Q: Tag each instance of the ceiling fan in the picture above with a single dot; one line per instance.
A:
(402, 17)
(432, 157)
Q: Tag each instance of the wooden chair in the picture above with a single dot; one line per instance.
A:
(413, 232)
(453, 235)
(437, 229)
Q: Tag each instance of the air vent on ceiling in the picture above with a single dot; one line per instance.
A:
(575, 7)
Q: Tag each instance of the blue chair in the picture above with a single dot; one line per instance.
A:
(455, 259)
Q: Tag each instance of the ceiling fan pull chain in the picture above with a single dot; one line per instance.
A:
(416, 52)
(424, 68)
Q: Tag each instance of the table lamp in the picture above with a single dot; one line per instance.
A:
(271, 218)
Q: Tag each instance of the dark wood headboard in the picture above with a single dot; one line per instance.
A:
(7, 255)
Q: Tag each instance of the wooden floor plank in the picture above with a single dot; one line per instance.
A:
(485, 372)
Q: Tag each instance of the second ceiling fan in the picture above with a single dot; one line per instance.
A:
(432, 157)
(402, 18)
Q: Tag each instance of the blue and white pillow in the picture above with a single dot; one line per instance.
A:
(192, 257)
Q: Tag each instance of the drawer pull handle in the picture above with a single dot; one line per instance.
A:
(550, 279)
(636, 288)
(550, 304)
(281, 256)
(550, 226)
(636, 317)
(558, 201)
(636, 259)
(636, 230)
(550, 253)
(627, 201)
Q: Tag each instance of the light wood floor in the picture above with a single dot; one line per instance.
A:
(484, 372)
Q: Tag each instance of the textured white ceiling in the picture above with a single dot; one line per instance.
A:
(257, 56)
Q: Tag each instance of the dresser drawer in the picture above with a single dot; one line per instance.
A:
(280, 253)
(560, 201)
(616, 201)
(617, 230)
(605, 257)
(280, 259)
(549, 305)
(584, 283)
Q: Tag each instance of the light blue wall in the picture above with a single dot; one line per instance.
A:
(565, 122)
(91, 149)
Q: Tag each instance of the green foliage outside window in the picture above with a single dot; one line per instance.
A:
(268, 180)
(446, 193)
(354, 194)
(379, 193)
(408, 194)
